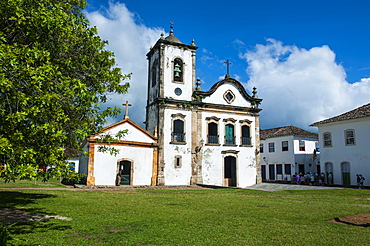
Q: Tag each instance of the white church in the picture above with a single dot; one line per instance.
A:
(191, 136)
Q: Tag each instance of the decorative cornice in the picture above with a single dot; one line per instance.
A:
(237, 84)
(213, 118)
(162, 42)
(245, 121)
(230, 119)
(229, 152)
(178, 115)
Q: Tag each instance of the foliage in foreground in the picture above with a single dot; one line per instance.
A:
(5, 233)
(191, 217)
(54, 73)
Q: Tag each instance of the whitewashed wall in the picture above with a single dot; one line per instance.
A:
(358, 155)
(213, 159)
(218, 96)
(173, 175)
(293, 156)
(133, 134)
(172, 53)
(105, 170)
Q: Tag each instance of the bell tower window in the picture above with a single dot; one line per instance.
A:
(154, 73)
(178, 70)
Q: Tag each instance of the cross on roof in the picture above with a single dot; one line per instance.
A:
(126, 105)
(228, 63)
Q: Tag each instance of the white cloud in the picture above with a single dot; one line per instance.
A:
(300, 86)
(130, 42)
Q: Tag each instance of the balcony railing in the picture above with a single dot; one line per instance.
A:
(212, 139)
(178, 137)
(230, 140)
(246, 141)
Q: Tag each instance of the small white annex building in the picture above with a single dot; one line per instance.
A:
(288, 150)
(345, 141)
(137, 155)
(204, 137)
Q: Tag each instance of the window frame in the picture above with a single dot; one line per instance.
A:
(213, 120)
(231, 122)
(245, 141)
(284, 148)
(178, 117)
(177, 162)
(181, 64)
(346, 138)
(154, 73)
(229, 101)
(327, 143)
(285, 168)
(302, 148)
(271, 147)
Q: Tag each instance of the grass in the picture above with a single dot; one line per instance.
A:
(30, 184)
(190, 217)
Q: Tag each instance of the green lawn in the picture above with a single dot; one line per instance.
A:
(30, 184)
(190, 217)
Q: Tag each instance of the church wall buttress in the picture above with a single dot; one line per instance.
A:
(196, 145)
(161, 150)
(257, 150)
(90, 180)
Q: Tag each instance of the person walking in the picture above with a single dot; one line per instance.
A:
(330, 178)
(362, 181)
(298, 178)
(358, 179)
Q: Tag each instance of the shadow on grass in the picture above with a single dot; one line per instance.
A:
(15, 199)
(13, 207)
(26, 220)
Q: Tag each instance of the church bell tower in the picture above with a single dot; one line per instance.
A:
(171, 82)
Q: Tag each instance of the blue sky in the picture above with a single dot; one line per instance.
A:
(308, 59)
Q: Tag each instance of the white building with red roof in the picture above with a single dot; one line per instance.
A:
(288, 150)
(345, 145)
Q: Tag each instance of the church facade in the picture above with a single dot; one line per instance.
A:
(196, 137)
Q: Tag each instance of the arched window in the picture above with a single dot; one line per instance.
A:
(229, 134)
(229, 131)
(212, 133)
(246, 136)
(154, 73)
(178, 128)
(178, 131)
(178, 70)
(349, 137)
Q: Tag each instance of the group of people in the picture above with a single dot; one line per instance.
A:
(360, 181)
(310, 178)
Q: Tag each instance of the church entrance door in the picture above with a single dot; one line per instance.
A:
(230, 171)
(125, 172)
